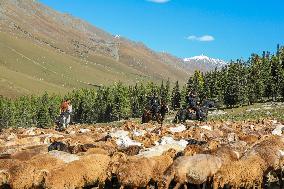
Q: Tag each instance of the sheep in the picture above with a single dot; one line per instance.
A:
(7, 164)
(258, 161)
(94, 151)
(24, 176)
(117, 159)
(131, 150)
(77, 148)
(146, 142)
(45, 161)
(246, 173)
(199, 147)
(191, 169)
(225, 153)
(191, 150)
(137, 171)
(28, 174)
(249, 139)
(87, 171)
(64, 156)
(110, 146)
(161, 164)
(60, 146)
(66, 147)
(4, 177)
(29, 152)
(171, 152)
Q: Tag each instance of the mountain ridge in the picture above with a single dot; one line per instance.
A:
(69, 53)
(203, 62)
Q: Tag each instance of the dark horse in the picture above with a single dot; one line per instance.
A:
(158, 115)
(199, 113)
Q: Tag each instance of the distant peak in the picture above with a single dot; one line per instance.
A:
(117, 36)
(200, 57)
(203, 59)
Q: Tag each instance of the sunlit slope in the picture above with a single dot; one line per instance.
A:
(28, 68)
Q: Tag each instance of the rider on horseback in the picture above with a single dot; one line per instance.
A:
(192, 101)
(194, 104)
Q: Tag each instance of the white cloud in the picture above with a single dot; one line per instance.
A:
(204, 38)
(159, 1)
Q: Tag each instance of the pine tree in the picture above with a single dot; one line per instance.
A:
(281, 59)
(104, 104)
(189, 85)
(7, 111)
(176, 97)
(266, 74)
(256, 81)
(121, 102)
(243, 83)
(276, 75)
(167, 92)
(23, 112)
(208, 86)
(43, 116)
(198, 84)
(164, 92)
(184, 93)
(232, 93)
(137, 100)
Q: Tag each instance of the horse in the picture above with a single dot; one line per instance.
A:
(183, 115)
(190, 114)
(157, 115)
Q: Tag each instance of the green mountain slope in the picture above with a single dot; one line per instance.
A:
(41, 49)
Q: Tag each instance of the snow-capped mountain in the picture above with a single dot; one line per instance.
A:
(204, 62)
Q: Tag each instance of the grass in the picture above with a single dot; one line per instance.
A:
(259, 111)
(269, 110)
(29, 68)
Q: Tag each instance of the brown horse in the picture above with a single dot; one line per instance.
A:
(148, 115)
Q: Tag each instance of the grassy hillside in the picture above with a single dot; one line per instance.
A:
(258, 111)
(28, 68)
(42, 47)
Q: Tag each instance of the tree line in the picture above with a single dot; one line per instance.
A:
(259, 79)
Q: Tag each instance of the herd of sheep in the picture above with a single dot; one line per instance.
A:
(193, 155)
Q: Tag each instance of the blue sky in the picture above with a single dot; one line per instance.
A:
(226, 29)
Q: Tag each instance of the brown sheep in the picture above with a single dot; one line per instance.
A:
(249, 139)
(256, 163)
(24, 176)
(246, 173)
(147, 142)
(29, 174)
(171, 152)
(161, 164)
(8, 163)
(131, 150)
(225, 153)
(117, 159)
(87, 171)
(137, 172)
(195, 169)
(4, 177)
(191, 150)
(95, 151)
(30, 152)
